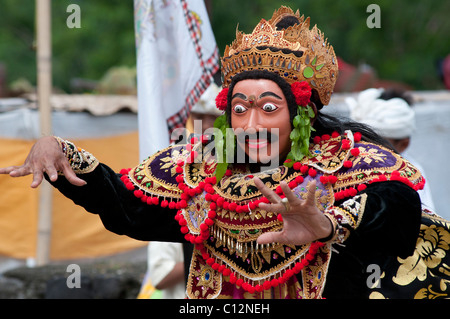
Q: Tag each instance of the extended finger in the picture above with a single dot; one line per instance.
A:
(288, 192)
(266, 191)
(52, 173)
(70, 175)
(19, 171)
(8, 170)
(311, 196)
(38, 176)
(275, 208)
(270, 237)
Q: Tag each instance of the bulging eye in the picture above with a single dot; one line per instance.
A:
(239, 109)
(269, 107)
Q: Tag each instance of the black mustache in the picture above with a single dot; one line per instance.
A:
(243, 136)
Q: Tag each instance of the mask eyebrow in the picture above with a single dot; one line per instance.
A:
(264, 94)
(239, 95)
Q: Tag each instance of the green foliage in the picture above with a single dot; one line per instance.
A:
(224, 142)
(301, 133)
(105, 39)
(412, 38)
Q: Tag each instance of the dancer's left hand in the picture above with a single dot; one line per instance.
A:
(303, 222)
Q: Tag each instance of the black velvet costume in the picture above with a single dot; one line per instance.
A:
(381, 223)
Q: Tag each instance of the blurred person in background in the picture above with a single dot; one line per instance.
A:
(390, 113)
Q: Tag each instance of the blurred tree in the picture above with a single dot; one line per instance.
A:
(412, 38)
(105, 39)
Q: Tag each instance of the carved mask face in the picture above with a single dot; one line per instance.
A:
(260, 119)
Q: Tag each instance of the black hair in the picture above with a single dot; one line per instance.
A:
(287, 22)
(327, 124)
(391, 93)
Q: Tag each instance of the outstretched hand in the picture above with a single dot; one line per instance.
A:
(303, 222)
(45, 156)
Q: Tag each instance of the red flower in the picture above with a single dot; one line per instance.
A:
(302, 92)
(222, 99)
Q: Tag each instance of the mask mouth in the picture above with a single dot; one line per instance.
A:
(256, 139)
(257, 143)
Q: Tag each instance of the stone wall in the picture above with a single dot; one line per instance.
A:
(102, 280)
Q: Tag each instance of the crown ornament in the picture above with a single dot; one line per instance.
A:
(297, 54)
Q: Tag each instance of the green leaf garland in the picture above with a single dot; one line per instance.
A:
(224, 152)
(301, 133)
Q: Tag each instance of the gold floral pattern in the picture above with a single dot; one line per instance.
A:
(426, 273)
(431, 248)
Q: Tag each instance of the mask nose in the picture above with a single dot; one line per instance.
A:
(254, 120)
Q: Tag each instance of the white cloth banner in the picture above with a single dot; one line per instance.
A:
(177, 56)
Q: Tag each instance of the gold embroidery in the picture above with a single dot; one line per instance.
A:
(431, 293)
(370, 154)
(353, 209)
(159, 180)
(431, 248)
(203, 281)
(81, 161)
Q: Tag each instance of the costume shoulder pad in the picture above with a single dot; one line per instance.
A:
(156, 176)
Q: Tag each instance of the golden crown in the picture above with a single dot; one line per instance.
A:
(317, 65)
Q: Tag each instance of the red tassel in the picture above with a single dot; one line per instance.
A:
(138, 193)
(362, 187)
(323, 179)
(182, 204)
(332, 179)
(355, 151)
(312, 172)
(179, 169)
(124, 171)
(232, 206)
(348, 164)
(299, 179)
(212, 214)
(304, 169)
(297, 166)
(267, 285)
(172, 205)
